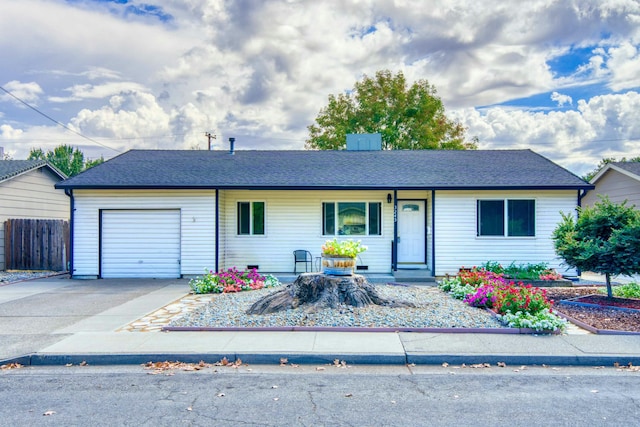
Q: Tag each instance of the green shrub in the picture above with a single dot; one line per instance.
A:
(493, 266)
(526, 271)
(630, 290)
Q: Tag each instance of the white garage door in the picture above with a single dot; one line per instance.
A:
(140, 243)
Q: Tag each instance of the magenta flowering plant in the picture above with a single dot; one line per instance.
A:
(483, 297)
(231, 280)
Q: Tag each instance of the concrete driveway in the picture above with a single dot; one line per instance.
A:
(37, 313)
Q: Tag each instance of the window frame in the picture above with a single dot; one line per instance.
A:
(251, 218)
(334, 212)
(507, 229)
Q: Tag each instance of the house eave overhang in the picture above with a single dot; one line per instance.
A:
(609, 167)
(47, 165)
(326, 187)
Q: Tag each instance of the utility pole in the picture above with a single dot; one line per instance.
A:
(210, 137)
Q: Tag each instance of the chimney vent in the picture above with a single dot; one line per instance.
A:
(364, 141)
(231, 141)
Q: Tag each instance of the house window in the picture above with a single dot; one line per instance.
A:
(251, 218)
(352, 218)
(517, 217)
(521, 218)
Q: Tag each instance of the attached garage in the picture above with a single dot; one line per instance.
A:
(140, 243)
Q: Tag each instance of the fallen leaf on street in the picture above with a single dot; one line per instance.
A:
(340, 363)
(283, 361)
(11, 366)
(320, 368)
(47, 413)
(502, 365)
(348, 395)
(480, 365)
(168, 366)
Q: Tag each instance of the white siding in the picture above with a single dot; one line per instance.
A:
(294, 221)
(197, 226)
(457, 244)
(31, 195)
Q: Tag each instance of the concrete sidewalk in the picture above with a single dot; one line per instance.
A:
(82, 321)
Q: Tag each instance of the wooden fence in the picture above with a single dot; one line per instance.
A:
(36, 244)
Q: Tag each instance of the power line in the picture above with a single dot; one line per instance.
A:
(57, 122)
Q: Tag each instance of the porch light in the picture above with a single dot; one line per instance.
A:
(389, 198)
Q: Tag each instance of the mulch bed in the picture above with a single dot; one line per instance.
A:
(603, 315)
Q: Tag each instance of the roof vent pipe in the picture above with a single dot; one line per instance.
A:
(231, 141)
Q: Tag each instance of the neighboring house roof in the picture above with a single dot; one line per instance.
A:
(387, 169)
(631, 169)
(12, 168)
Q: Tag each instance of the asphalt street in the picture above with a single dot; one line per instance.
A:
(312, 395)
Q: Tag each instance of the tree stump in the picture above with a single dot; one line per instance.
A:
(318, 291)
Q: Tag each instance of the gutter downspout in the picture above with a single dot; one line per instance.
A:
(217, 229)
(581, 194)
(72, 209)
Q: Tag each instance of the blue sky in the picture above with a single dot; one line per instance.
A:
(561, 78)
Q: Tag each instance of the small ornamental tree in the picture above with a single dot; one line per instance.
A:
(605, 239)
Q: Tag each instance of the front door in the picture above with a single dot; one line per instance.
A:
(411, 232)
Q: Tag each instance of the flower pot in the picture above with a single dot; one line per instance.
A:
(338, 266)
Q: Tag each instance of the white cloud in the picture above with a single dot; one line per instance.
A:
(561, 99)
(128, 116)
(28, 92)
(604, 126)
(7, 132)
(261, 70)
(88, 91)
(624, 63)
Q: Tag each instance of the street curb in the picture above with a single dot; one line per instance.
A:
(511, 359)
(39, 359)
(43, 359)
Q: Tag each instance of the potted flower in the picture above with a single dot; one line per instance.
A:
(339, 258)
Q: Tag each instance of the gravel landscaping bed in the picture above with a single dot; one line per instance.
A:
(7, 277)
(435, 309)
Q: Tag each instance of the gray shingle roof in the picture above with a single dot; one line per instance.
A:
(11, 168)
(399, 169)
(633, 167)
